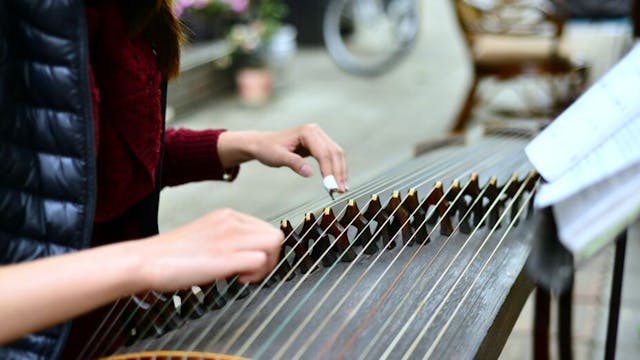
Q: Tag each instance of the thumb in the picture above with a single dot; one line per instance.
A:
(298, 164)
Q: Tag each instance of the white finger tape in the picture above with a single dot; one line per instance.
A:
(329, 183)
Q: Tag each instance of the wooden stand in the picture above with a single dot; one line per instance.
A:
(565, 311)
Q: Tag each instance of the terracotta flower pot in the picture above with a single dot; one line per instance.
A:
(255, 85)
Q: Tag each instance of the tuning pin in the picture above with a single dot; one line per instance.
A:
(237, 290)
(191, 303)
(353, 217)
(419, 222)
(400, 220)
(304, 258)
(330, 224)
(290, 240)
(375, 213)
(374, 207)
(459, 205)
(351, 214)
(394, 201)
(435, 198)
(492, 193)
(313, 233)
(213, 300)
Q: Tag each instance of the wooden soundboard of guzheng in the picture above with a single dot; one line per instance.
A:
(424, 261)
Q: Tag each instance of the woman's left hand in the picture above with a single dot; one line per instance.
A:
(286, 148)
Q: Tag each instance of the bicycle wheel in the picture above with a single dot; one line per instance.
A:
(368, 37)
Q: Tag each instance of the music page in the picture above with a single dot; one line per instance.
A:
(591, 218)
(590, 158)
(595, 137)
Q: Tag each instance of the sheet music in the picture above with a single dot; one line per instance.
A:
(590, 156)
(591, 218)
(618, 152)
(592, 129)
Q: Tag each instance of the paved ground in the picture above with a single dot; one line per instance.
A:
(378, 121)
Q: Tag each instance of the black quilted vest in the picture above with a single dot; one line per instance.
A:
(47, 157)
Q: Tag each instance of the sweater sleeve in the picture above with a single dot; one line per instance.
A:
(192, 155)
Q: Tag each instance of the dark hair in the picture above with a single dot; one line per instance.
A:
(155, 20)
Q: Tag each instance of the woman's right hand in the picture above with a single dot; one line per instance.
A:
(44, 292)
(218, 245)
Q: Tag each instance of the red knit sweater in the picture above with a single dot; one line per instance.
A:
(125, 84)
(126, 89)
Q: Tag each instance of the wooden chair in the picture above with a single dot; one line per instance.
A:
(509, 39)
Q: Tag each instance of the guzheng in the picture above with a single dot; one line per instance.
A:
(424, 261)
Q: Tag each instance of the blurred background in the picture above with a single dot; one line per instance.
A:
(267, 67)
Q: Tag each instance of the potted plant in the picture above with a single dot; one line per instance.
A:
(251, 39)
(250, 28)
(206, 20)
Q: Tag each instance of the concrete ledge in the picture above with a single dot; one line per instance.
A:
(201, 78)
